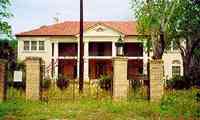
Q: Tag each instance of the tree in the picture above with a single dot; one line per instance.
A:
(153, 19)
(4, 15)
(178, 21)
(185, 26)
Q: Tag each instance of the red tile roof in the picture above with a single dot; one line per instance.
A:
(72, 28)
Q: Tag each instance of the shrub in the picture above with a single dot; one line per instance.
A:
(178, 82)
(46, 83)
(136, 84)
(105, 82)
(62, 82)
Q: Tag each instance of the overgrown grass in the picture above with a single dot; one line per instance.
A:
(174, 105)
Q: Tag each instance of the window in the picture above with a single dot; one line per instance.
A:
(33, 45)
(176, 71)
(41, 45)
(26, 45)
(176, 68)
(133, 49)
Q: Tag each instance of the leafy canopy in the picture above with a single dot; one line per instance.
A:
(4, 15)
(153, 16)
(186, 19)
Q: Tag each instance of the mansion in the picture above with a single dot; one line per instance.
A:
(58, 46)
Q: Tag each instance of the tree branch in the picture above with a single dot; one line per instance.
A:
(171, 13)
(182, 49)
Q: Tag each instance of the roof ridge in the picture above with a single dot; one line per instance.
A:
(72, 27)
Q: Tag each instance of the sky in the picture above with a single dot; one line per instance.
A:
(30, 14)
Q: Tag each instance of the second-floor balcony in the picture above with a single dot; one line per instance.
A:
(100, 49)
(68, 49)
(133, 49)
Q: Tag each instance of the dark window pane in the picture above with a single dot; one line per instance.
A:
(176, 71)
(33, 45)
(68, 49)
(133, 49)
(26, 45)
(100, 49)
(41, 45)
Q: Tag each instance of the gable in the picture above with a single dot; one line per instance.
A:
(101, 30)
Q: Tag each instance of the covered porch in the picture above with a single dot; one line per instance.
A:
(97, 59)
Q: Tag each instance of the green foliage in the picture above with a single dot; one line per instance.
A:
(4, 15)
(45, 83)
(7, 52)
(62, 82)
(180, 104)
(136, 84)
(196, 52)
(178, 82)
(174, 105)
(153, 18)
(185, 22)
(20, 66)
(105, 82)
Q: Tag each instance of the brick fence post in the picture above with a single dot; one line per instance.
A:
(120, 82)
(156, 80)
(3, 64)
(33, 77)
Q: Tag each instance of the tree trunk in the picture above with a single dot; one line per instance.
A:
(159, 46)
(191, 64)
(186, 66)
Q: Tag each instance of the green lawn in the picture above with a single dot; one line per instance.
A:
(174, 105)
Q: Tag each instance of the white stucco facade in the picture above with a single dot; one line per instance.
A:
(91, 35)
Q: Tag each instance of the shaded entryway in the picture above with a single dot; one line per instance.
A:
(135, 67)
(100, 67)
(68, 68)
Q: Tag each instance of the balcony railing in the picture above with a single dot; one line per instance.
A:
(68, 49)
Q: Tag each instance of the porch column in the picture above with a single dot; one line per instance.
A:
(113, 49)
(145, 60)
(86, 61)
(56, 60)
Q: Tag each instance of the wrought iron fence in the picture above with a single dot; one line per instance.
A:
(139, 88)
(92, 90)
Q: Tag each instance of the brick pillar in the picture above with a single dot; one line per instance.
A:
(2, 80)
(156, 80)
(120, 82)
(33, 76)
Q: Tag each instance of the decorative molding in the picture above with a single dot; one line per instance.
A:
(100, 29)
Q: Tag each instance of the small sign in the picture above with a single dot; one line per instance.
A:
(17, 76)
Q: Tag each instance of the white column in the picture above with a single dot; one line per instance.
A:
(56, 59)
(145, 60)
(86, 61)
(78, 57)
(113, 49)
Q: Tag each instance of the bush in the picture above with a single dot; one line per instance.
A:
(178, 82)
(46, 83)
(62, 82)
(105, 82)
(136, 84)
